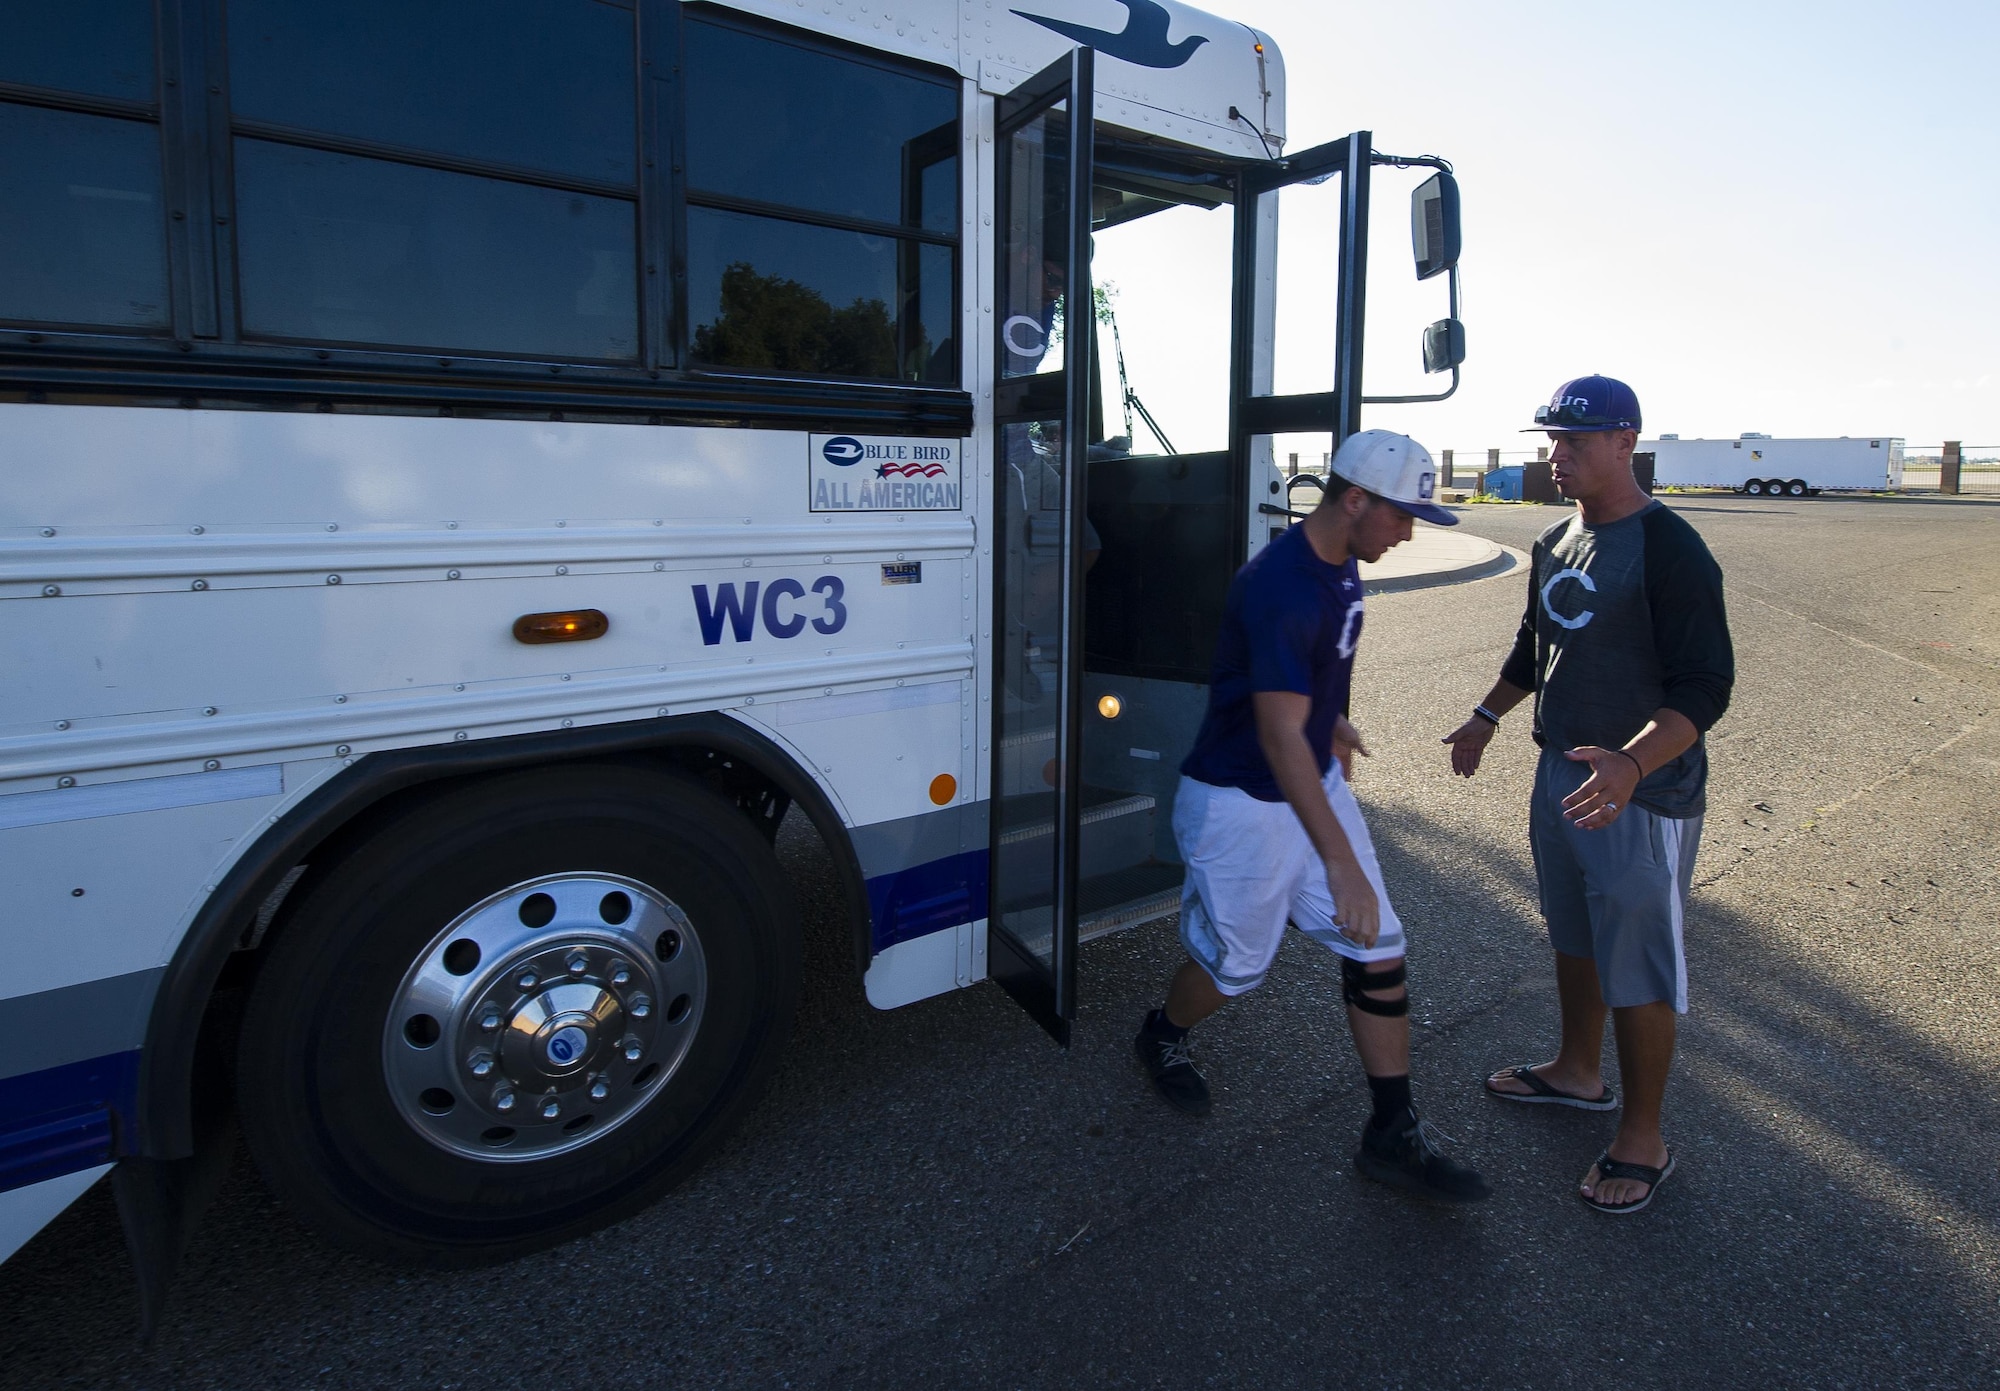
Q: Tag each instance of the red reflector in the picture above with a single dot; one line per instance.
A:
(576, 625)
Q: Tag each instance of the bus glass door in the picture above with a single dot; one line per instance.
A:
(1043, 347)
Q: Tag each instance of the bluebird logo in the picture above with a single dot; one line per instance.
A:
(1426, 485)
(567, 1045)
(843, 450)
(1143, 40)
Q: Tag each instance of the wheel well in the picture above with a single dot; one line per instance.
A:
(219, 954)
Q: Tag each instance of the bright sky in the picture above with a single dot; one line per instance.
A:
(1764, 215)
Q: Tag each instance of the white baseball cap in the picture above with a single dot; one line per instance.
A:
(1396, 468)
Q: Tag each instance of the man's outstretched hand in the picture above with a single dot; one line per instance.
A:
(1468, 745)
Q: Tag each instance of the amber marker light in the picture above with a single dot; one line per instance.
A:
(573, 625)
(1110, 706)
(944, 787)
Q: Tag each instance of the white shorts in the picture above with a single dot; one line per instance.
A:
(1250, 869)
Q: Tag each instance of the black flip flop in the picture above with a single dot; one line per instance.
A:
(1607, 1167)
(1540, 1093)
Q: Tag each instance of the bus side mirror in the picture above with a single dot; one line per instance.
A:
(1434, 227)
(1444, 345)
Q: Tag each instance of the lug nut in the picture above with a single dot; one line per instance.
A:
(503, 1098)
(599, 1090)
(490, 1020)
(632, 1052)
(640, 1007)
(526, 980)
(621, 974)
(482, 1063)
(551, 1109)
(578, 963)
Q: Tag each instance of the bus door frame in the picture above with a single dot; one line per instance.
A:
(1047, 990)
(1253, 410)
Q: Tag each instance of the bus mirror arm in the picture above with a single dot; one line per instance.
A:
(1444, 349)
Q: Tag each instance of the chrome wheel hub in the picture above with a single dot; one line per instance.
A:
(544, 1016)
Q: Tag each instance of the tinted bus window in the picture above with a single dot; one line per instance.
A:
(832, 139)
(783, 124)
(82, 238)
(102, 47)
(344, 249)
(783, 295)
(537, 84)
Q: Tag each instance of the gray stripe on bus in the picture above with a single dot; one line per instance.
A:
(74, 1023)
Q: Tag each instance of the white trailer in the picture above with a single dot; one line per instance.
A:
(1762, 466)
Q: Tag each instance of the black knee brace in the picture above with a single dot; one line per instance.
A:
(1355, 978)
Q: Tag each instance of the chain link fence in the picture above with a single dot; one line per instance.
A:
(1978, 468)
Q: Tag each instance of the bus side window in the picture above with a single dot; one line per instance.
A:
(858, 276)
(83, 221)
(454, 175)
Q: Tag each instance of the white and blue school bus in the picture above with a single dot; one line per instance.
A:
(468, 470)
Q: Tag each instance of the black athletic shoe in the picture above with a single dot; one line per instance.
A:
(1406, 1155)
(1173, 1072)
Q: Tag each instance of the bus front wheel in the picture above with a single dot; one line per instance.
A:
(515, 1012)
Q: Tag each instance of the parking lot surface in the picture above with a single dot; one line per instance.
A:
(937, 1195)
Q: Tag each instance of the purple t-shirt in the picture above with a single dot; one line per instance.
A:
(1291, 624)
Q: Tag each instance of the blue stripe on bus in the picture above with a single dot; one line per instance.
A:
(63, 1119)
(927, 898)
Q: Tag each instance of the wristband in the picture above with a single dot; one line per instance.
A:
(1486, 715)
(1635, 763)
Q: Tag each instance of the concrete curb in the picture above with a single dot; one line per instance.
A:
(1498, 560)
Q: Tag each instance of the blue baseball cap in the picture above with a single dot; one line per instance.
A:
(1588, 405)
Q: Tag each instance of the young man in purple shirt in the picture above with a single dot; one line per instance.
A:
(1267, 825)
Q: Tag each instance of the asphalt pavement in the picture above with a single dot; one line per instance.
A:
(937, 1195)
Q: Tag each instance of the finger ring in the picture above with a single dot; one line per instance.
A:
(1611, 806)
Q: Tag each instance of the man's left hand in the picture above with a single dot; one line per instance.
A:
(1347, 743)
(1606, 792)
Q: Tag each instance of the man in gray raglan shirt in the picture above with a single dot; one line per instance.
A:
(1625, 649)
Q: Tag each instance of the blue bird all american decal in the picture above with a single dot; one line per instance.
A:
(1143, 40)
(843, 451)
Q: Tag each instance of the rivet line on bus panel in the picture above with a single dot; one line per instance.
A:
(403, 716)
(198, 586)
(62, 724)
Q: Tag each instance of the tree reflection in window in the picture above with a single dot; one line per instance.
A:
(775, 322)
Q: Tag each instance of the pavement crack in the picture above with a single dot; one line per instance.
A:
(1963, 670)
(1821, 814)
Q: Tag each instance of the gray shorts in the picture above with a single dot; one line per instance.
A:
(1615, 895)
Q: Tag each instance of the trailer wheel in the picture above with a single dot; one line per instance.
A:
(517, 1012)
(1796, 488)
(1754, 488)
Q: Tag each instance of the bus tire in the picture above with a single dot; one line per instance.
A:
(517, 1011)
(1754, 488)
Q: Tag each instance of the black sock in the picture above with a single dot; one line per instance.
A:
(1159, 1025)
(1392, 1099)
